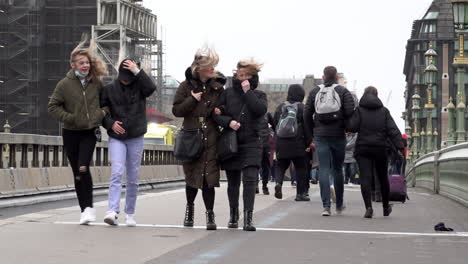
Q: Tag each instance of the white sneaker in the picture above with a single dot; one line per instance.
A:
(84, 218)
(91, 214)
(130, 220)
(111, 218)
(87, 216)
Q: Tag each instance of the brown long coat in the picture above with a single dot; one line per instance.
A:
(199, 115)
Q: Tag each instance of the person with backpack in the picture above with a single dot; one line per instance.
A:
(376, 127)
(126, 124)
(327, 108)
(242, 108)
(291, 141)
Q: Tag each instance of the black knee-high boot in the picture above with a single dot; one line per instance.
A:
(234, 218)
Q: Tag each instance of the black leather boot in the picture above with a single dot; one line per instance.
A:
(189, 211)
(265, 190)
(248, 226)
(387, 210)
(234, 219)
(210, 220)
(369, 213)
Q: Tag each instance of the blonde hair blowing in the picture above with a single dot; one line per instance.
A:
(251, 65)
(98, 68)
(205, 57)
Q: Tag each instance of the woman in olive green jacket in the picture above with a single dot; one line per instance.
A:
(75, 102)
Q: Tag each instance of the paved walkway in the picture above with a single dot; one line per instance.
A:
(288, 232)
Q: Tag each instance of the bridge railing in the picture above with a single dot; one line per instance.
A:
(32, 164)
(444, 172)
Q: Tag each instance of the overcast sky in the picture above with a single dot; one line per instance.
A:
(364, 39)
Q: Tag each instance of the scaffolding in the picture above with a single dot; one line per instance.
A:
(37, 36)
(125, 29)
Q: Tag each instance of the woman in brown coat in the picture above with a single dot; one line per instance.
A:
(195, 100)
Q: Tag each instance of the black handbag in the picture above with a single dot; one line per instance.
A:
(227, 145)
(189, 145)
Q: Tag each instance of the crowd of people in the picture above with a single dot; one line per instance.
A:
(324, 137)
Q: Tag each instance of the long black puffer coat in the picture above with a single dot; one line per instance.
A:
(248, 135)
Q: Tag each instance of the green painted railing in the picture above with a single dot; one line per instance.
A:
(444, 172)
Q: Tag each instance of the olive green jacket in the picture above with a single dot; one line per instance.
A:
(77, 106)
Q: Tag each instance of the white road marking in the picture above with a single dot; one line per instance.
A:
(354, 232)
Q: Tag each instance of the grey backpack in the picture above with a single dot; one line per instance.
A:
(287, 125)
(327, 104)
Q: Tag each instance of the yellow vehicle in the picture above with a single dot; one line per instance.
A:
(160, 134)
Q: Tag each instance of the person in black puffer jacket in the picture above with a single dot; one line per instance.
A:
(242, 108)
(126, 124)
(292, 149)
(376, 127)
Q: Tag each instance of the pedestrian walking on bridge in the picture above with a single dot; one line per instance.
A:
(195, 101)
(75, 102)
(375, 127)
(242, 108)
(126, 124)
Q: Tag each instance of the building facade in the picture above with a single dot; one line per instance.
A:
(431, 83)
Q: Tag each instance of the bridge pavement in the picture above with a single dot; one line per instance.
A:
(288, 232)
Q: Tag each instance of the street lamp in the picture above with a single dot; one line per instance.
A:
(460, 23)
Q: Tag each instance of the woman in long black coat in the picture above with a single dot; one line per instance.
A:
(376, 127)
(242, 108)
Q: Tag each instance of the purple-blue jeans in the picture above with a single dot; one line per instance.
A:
(125, 156)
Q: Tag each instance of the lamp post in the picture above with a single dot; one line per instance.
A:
(460, 21)
(431, 80)
(415, 110)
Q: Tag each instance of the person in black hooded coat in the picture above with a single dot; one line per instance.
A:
(242, 108)
(292, 149)
(376, 127)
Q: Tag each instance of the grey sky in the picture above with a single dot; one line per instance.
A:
(364, 39)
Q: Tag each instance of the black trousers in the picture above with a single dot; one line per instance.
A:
(265, 173)
(249, 179)
(300, 165)
(368, 163)
(79, 146)
(207, 193)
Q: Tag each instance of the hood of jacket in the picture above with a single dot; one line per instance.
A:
(295, 93)
(370, 101)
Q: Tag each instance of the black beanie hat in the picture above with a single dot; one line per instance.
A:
(125, 74)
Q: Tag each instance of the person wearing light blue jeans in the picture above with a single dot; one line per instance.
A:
(125, 156)
(126, 124)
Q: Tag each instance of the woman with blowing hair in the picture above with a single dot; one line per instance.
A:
(242, 109)
(195, 100)
(75, 102)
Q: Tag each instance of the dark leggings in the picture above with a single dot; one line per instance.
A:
(265, 166)
(368, 163)
(79, 146)
(249, 179)
(207, 193)
(300, 165)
